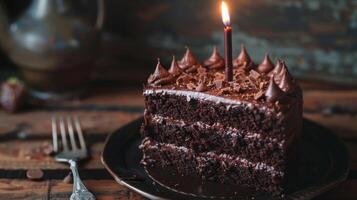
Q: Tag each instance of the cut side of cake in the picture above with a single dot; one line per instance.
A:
(240, 132)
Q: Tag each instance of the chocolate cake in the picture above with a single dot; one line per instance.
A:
(240, 132)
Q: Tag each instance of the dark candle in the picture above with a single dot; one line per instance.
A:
(228, 53)
(227, 42)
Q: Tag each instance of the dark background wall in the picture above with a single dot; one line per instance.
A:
(317, 38)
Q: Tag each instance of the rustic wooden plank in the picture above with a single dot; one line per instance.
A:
(38, 123)
(56, 190)
(15, 155)
(324, 85)
(108, 189)
(99, 96)
(101, 189)
(115, 96)
(325, 100)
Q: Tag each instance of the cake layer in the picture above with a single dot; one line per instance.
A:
(214, 167)
(192, 108)
(202, 137)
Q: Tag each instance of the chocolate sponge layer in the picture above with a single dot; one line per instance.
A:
(205, 138)
(241, 117)
(214, 167)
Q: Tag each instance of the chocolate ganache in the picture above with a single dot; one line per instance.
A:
(175, 69)
(243, 60)
(266, 66)
(160, 76)
(253, 84)
(215, 61)
(188, 61)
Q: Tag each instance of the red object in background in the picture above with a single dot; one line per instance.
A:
(13, 94)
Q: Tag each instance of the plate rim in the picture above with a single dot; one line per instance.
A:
(307, 193)
(115, 176)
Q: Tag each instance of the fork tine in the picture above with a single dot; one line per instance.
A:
(54, 134)
(63, 134)
(80, 133)
(71, 133)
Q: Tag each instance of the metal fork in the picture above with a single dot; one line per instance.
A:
(71, 151)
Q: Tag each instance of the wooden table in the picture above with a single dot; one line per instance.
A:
(24, 135)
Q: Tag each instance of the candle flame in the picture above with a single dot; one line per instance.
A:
(225, 14)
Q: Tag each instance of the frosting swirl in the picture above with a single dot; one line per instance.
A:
(273, 92)
(160, 75)
(278, 66)
(266, 66)
(287, 82)
(274, 87)
(175, 70)
(215, 61)
(188, 60)
(243, 60)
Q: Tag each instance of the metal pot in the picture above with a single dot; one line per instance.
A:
(54, 43)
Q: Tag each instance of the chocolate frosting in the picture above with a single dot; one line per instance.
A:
(215, 61)
(175, 70)
(243, 60)
(247, 85)
(188, 60)
(192, 69)
(160, 76)
(279, 65)
(273, 92)
(287, 82)
(266, 66)
(282, 71)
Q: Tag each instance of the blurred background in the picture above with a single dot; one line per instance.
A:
(317, 38)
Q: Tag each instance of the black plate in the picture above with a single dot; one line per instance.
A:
(323, 163)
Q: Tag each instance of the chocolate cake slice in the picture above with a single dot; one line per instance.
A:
(240, 132)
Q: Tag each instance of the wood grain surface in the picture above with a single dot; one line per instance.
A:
(25, 135)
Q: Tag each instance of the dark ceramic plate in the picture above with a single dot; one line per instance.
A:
(323, 163)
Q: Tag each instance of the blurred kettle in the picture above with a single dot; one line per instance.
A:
(54, 44)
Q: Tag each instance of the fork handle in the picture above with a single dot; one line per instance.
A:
(80, 192)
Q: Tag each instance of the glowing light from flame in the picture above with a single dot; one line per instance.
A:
(225, 14)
